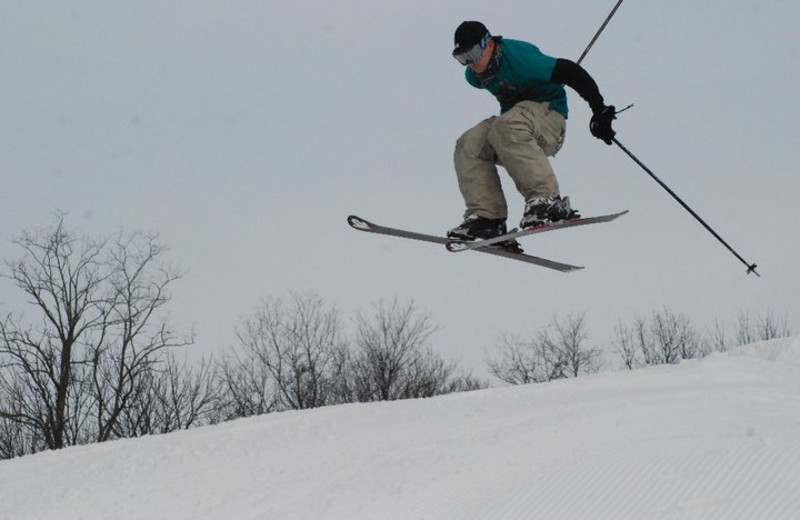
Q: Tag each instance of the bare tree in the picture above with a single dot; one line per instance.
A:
(68, 378)
(519, 362)
(761, 328)
(16, 439)
(175, 397)
(127, 351)
(717, 338)
(246, 387)
(295, 356)
(392, 360)
(667, 338)
(290, 348)
(673, 336)
(624, 343)
(64, 279)
(464, 382)
(343, 376)
(556, 352)
(565, 343)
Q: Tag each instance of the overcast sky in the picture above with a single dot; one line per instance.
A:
(245, 132)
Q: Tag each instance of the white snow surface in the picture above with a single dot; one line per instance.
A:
(717, 438)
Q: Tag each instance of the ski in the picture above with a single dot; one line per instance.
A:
(456, 246)
(360, 224)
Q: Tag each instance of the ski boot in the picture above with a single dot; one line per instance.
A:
(541, 211)
(475, 227)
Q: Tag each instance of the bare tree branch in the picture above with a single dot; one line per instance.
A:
(68, 377)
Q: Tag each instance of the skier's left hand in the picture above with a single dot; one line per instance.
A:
(600, 125)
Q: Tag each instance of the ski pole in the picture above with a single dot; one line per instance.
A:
(751, 268)
(597, 35)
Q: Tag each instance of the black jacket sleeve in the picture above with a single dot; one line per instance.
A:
(574, 76)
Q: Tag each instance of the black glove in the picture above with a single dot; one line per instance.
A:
(600, 125)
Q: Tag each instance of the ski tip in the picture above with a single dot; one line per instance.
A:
(455, 246)
(614, 216)
(358, 223)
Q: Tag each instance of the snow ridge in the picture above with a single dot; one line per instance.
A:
(714, 438)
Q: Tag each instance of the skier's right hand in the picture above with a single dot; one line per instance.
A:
(600, 125)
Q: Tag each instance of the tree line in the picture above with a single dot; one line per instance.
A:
(562, 349)
(100, 361)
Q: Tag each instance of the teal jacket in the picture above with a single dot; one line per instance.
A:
(524, 74)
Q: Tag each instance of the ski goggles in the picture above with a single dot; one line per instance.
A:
(474, 53)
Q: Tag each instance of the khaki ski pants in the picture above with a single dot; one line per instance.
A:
(520, 140)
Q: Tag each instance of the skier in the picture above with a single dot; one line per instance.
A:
(531, 126)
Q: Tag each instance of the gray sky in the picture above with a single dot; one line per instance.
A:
(245, 132)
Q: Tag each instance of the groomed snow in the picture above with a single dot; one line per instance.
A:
(717, 438)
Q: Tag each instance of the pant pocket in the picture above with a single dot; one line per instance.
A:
(553, 130)
(549, 126)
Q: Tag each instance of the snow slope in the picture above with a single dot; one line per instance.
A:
(714, 438)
